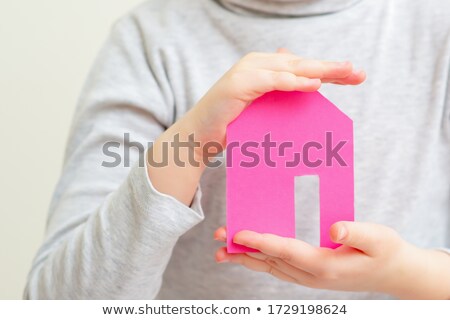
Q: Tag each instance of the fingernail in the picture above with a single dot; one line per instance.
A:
(223, 261)
(220, 238)
(342, 233)
(221, 255)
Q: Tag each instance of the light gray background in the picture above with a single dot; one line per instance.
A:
(46, 49)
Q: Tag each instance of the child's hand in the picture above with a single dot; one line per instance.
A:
(251, 77)
(372, 258)
(256, 74)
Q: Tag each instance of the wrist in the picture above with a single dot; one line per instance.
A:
(187, 138)
(407, 272)
(209, 135)
(420, 274)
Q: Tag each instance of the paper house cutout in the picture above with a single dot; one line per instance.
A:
(260, 195)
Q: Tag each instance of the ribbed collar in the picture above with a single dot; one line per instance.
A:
(290, 8)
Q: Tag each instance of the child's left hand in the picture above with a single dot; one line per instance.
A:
(372, 258)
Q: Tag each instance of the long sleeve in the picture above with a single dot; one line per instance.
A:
(110, 234)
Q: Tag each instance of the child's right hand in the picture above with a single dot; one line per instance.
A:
(256, 74)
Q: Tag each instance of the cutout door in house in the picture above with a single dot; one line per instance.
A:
(280, 136)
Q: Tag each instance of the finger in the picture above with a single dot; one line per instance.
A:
(367, 237)
(355, 78)
(316, 68)
(282, 81)
(252, 264)
(343, 262)
(221, 234)
(285, 61)
(295, 252)
(301, 277)
(309, 68)
(258, 255)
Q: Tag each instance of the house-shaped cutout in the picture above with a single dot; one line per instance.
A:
(278, 137)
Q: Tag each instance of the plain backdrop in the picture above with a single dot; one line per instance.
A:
(46, 50)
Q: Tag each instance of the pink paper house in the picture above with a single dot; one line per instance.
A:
(280, 136)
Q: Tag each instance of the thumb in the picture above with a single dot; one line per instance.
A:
(368, 237)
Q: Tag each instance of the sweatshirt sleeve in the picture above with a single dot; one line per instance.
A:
(109, 233)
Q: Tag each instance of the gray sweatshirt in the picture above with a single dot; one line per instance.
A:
(111, 235)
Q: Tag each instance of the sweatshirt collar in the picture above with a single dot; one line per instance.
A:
(289, 8)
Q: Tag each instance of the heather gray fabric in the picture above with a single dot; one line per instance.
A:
(111, 235)
(290, 8)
